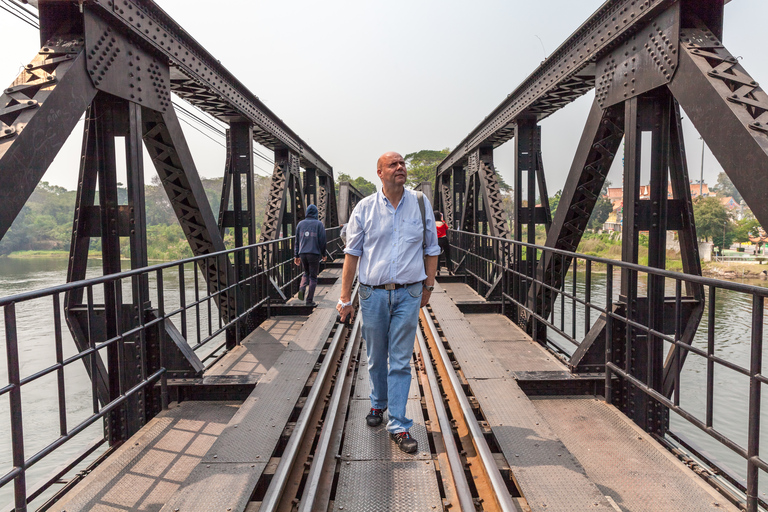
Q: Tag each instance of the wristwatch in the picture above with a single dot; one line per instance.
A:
(344, 304)
(429, 288)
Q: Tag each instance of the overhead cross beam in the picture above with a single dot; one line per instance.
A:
(203, 81)
(563, 77)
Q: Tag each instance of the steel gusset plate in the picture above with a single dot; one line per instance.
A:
(120, 67)
(645, 61)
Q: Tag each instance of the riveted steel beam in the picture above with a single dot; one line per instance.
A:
(201, 79)
(564, 76)
(37, 113)
(730, 111)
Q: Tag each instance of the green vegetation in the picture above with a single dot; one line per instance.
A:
(44, 226)
(363, 185)
(422, 164)
(726, 188)
(713, 221)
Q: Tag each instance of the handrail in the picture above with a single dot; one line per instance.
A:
(489, 261)
(273, 268)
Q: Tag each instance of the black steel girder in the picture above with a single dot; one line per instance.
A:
(37, 113)
(200, 79)
(564, 76)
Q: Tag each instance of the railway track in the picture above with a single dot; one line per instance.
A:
(316, 466)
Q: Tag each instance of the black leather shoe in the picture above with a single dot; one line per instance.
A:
(405, 442)
(311, 304)
(374, 417)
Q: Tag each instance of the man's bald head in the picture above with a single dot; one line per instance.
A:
(391, 170)
(383, 159)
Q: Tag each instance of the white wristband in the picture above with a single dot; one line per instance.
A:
(344, 304)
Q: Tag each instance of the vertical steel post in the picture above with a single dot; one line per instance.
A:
(755, 369)
(14, 398)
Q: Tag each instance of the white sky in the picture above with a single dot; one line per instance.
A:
(357, 78)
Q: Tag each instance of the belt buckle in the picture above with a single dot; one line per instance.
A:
(390, 286)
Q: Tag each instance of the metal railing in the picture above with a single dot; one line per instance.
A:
(586, 291)
(180, 300)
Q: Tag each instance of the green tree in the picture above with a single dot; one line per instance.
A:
(554, 201)
(745, 228)
(422, 164)
(603, 208)
(712, 220)
(726, 188)
(363, 185)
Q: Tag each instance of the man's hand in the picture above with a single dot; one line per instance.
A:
(297, 262)
(345, 312)
(425, 295)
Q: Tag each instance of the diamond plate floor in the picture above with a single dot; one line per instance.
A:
(145, 472)
(548, 475)
(374, 475)
(625, 462)
(386, 486)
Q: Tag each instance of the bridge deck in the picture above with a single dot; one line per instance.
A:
(564, 452)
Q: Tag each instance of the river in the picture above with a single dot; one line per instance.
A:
(41, 415)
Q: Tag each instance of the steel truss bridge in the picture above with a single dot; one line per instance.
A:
(217, 340)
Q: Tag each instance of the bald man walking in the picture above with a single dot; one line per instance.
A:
(385, 235)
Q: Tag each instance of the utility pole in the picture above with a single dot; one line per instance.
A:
(701, 180)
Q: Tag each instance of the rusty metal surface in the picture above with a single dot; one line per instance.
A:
(145, 472)
(549, 476)
(625, 462)
(236, 460)
(385, 486)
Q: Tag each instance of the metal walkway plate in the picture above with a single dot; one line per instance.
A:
(387, 486)
(625, 462)
(146, 471)
(510, 346)
(260, 350)
(548, 475)
(362, 442)
(237, 459)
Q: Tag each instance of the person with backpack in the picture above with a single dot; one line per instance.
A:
(442, 241)
(308, 251)
(392, 243)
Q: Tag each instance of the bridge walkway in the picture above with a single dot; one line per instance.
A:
(565, 452)
(561, 452)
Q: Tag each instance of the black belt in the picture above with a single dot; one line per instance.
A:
(390, 286)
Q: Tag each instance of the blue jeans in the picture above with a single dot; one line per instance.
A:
(390, 318)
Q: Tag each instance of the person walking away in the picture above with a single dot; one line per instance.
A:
(442, 241)
(308, 251)
(391, 234)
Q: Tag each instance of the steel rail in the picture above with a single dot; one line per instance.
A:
(157, 29)
(463, 492)
(499, 487)
(312, 485)
(277, 485)
(547, 89)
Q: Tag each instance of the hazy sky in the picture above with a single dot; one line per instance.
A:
(357, 78)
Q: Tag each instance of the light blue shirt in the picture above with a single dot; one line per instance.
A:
(389, 241)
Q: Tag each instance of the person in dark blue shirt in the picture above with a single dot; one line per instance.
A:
(308, 251)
